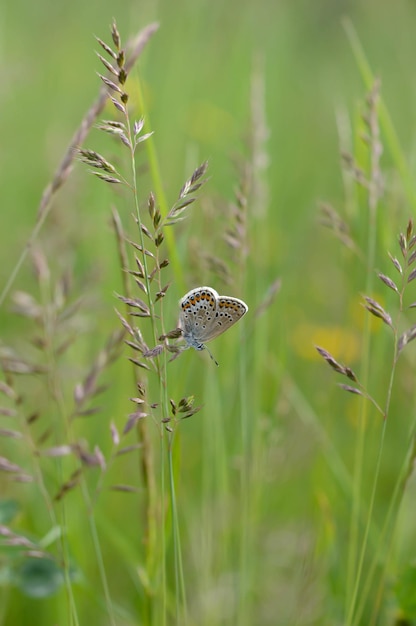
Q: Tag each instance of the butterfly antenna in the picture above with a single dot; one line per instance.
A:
(210, 354)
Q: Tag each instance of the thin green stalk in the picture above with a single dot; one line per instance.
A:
(143, 435)
(356, 492)
(163, 530)
(180, 590)
(58, 399)
(98, 554)
(160, 193)
(162, 376)
(389, 132)
(363, 550)
(379, 457)
(22, 258)
(139, 223)
(353, 578)
(389, 523)
(245, 487)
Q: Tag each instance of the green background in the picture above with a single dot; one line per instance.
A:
(197, 74)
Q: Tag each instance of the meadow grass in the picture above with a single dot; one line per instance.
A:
(141, 483)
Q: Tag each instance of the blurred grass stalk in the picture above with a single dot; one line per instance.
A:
(228, 537)
(370, 550)
(64, 168)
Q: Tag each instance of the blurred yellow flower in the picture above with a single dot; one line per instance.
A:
(342, 343)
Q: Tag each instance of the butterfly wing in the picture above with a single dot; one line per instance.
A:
(227, 313)
(197, 313)
(204, 315)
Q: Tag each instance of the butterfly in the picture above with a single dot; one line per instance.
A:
(204, 315)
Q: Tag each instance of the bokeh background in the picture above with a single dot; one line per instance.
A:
(200, 75)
